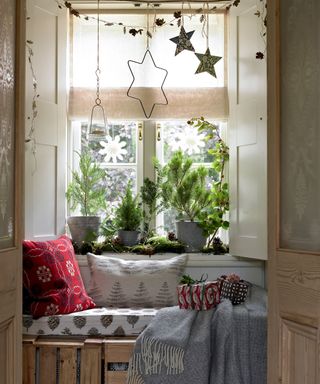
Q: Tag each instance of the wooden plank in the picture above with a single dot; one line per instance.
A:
(59, 342)
(27, 339)
(68, 365)
(116, 377)
(91, 356)
(47, 365)
(29, 358)
(118, 351)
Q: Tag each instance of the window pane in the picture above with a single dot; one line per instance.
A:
(118, 173)
(169, 221)
(116, 183)
(121, 144)
(179, 135)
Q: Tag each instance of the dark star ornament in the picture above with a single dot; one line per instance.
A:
(207, 62)
(183, 41)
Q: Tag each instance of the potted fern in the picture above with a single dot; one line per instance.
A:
(128, 218)
(184, 189)
(86, 192)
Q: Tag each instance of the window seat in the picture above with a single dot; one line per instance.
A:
(92, 322)
(94, 346)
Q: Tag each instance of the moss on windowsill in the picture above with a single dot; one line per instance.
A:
(156, 244)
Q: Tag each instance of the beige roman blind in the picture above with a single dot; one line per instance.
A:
(188, 94)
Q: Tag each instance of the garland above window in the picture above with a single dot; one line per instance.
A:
(135, 30)
(177, 20)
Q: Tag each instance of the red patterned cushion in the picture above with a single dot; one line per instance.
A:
(52, 277)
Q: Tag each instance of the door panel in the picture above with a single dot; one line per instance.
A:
(299, 353)
(293, 192)
(12, 57)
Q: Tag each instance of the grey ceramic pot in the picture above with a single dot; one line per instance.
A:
(82, 227)
(128, 238)
(190, 233)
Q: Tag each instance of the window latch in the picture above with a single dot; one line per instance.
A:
(140, 131)
(158, 131)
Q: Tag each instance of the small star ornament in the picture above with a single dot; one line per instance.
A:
(183, 41)
(207, 62)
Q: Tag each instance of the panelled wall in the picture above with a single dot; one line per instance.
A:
(294, 191)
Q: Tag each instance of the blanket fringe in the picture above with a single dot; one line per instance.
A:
(134, 378)
(153, 357)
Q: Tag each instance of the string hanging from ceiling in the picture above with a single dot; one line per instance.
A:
(98, 122)
(158, 99)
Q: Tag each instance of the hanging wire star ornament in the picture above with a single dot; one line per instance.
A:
(207, 62)
(183, 41)
(149, 57)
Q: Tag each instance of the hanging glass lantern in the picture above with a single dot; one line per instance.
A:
(98, 125)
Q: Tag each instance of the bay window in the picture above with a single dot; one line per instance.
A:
(132, 139)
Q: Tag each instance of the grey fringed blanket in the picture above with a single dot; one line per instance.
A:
(226, 345)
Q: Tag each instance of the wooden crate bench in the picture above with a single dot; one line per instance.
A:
(77, 360)
(117, 351)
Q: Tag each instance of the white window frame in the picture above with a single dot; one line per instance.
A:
(149, 135)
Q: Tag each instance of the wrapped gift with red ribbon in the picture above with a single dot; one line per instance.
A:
(198, 294)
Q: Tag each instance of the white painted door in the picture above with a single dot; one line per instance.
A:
(46, 159)
(294, 191)
(12, 43)
(247, 132)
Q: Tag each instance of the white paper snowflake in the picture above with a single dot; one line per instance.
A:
(113, 149)
(44, 274)
(189, 140)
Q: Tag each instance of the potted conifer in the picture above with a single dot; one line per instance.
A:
(86, 192)
(128, 218)
(184, 189)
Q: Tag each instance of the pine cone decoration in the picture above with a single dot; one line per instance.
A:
(116, 241)
(217, 241)
(171, 236)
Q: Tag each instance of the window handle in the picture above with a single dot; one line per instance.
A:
(140, 131)
(158, 131)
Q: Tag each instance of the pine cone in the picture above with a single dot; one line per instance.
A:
(116, 241)
(217, 241)
(171, 236)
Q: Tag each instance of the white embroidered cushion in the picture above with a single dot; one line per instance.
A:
(135, 283)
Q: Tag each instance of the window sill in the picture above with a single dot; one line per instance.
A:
(194, 259)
